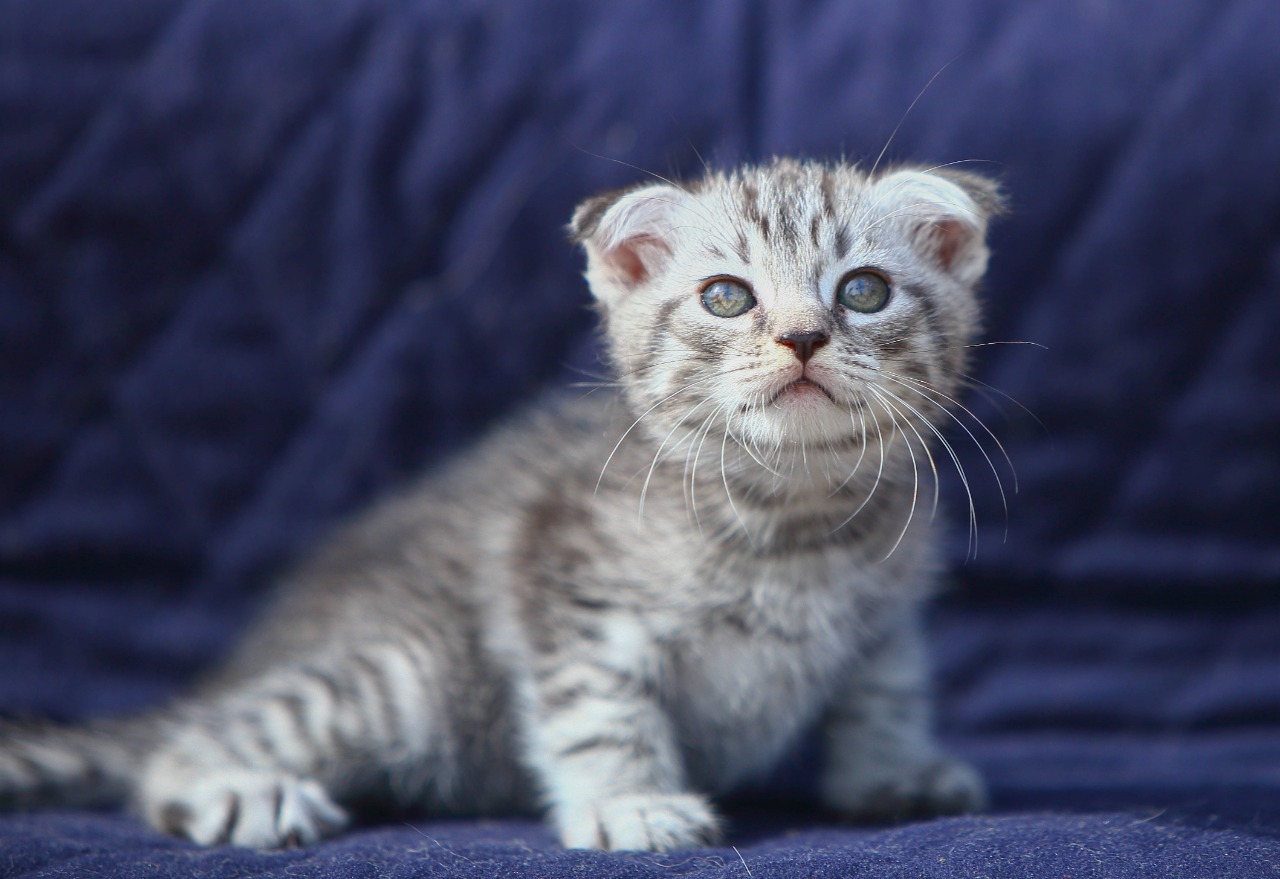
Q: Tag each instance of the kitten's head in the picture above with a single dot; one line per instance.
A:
(789, 303)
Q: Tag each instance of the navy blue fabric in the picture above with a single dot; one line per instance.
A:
(261, 260)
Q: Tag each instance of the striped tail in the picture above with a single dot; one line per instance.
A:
(47, 764)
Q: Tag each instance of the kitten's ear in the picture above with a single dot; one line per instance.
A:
(626, 235)
(946, 214)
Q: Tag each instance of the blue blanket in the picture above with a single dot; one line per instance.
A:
(262, 260)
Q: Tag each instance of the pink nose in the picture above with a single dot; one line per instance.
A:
(804, 344)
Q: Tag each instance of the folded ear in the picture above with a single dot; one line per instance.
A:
(626, 235)
(945, 214)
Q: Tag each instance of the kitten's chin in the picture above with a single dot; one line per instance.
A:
(804, 412)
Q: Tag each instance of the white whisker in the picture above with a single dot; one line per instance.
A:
(657, 455)
(924, 445)
(693, 474)
(915, 473)
(982, 387)
(955, 460)
(627, 432)
(910, 107)
(879, 473)
(925, 389)
(724, 477)
(862, 447)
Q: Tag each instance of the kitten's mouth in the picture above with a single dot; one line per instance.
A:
(801, 389)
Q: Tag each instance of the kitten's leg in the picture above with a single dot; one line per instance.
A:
(261, 765)
(603, 750)
(882, 761)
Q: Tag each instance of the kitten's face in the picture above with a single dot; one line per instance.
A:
(791, 303)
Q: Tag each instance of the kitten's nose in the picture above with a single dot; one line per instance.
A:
(804, 344)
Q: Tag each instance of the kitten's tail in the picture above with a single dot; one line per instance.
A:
(46, 764)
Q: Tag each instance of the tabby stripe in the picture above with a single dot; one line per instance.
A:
(827, 186)
(930, 311)
(284, 726)
(295, 707)
(324, 709)
(558, 700)
(707, 346)
(842, 242)
(380, 721)
(787, 231)
(255, 733)
(53, 760)
(230, 735)
(407, 676)
(25, 765)
(603, 742)
(573, 663)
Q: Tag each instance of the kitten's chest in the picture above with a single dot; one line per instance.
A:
(754, 673)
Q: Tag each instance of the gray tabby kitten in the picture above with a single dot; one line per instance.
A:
(621, 603)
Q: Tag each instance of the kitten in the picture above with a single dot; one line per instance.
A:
(623, 602)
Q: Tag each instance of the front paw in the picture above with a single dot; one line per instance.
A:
(639, 822)
(876, 794)
(244, 808)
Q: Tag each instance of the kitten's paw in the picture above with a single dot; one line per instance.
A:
(942, 786)
(250, 809)
(640, 822)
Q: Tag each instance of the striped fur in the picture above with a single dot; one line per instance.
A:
(621, 603)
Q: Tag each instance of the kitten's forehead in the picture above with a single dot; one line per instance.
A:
(774, 194)
(783, 223)
(786, 202)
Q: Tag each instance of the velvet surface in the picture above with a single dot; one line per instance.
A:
(263, 260)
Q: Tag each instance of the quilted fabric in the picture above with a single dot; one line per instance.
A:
(261, 260)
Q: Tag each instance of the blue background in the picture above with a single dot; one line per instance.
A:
(263, 260)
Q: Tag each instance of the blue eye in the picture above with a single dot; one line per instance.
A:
(863, 291)
(725, 298)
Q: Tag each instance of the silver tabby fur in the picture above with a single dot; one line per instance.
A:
(622, 603)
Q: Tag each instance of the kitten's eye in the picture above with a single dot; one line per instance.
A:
(726, 298)
(864, 292)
